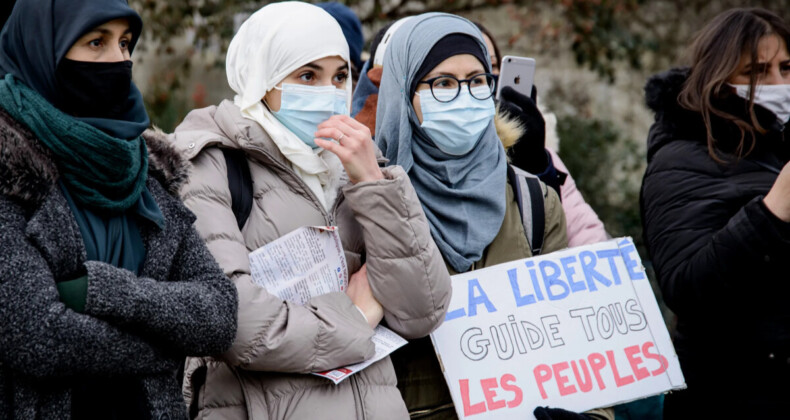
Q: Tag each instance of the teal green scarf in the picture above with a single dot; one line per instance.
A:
(100, 171)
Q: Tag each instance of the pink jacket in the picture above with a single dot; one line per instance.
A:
(584, 226)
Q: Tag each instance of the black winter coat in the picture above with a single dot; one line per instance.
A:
(722, 259)
(138, 328)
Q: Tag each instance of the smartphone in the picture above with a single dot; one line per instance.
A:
(518, 73)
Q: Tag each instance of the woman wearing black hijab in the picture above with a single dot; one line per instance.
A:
(105, 286)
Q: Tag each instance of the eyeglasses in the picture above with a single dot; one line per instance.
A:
(446, 88)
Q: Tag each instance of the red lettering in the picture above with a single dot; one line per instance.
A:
(470, 409)
(618, 380)
(542, 374)
(507, 386)
(660, 358)
(489, 392)
(631, 353)
(561, 379)
(597, 362)
(586, 384)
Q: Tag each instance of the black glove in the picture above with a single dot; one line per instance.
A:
(546, 413)
(529, 152)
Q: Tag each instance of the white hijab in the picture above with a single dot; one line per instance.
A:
(276, 40)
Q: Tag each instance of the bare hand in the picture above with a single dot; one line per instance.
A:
(354, 147)
(778, 199)
(360, 293)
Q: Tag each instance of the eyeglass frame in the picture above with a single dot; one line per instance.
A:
(430, 81)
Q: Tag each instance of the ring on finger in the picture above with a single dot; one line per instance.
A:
(342, 135)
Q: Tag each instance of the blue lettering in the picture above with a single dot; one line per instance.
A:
(610, 254)
(553, 279)
(521, 300)
(477, 299)
(630, 263)
(576, 286)
(457, 313)
(534, 276)
(588, 260)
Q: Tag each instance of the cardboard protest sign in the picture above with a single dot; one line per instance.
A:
(576, 329)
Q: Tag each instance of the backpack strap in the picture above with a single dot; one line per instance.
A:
(530, 199)
(239, 183)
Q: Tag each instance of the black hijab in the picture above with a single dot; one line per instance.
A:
(39, 33)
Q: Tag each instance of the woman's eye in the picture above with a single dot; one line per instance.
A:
(96, 43)
(124, 44)
(307, 77)
(341, 77)
(478, 81)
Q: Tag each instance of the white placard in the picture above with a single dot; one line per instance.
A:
(310, 262)
(576, 329)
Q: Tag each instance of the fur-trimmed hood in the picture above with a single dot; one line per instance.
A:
(508, 129)
(674, 122)
(28, 172)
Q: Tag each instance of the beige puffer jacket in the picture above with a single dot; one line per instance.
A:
(263, 376)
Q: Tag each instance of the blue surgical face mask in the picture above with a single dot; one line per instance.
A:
(455, 127)
(303, 107)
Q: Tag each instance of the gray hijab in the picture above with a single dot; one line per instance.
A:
(463, 196)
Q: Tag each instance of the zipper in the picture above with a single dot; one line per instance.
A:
(328, 218)
(358, 396)
(247, 403)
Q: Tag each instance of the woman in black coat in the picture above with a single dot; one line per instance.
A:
(716, 214)
(105, 287)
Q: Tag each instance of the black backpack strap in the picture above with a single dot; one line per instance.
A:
(530, 199)
(239, 183)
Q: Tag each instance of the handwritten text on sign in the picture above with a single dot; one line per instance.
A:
(576, 329)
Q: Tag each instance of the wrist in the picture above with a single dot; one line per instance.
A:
(776, 207)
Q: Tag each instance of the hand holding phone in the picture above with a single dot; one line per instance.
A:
(518, 73)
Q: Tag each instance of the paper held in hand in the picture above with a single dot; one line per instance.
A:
(310, 262)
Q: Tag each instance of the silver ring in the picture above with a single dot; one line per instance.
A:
(341, 137)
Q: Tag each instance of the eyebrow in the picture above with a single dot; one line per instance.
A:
(105, 31)
(444, 73)
(319, 68)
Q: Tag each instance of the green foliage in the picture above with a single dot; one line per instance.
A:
(603, 36)
(603, 164)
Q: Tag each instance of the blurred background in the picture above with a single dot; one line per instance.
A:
(593, 58)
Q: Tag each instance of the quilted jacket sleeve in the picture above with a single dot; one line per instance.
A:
(273, 335)
(40, 337)
(584, 226)
(405, 268)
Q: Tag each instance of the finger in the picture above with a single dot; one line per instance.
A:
(534, 94)
(347, 125)
(351, 122)
(513, 96)
(332, 133)
(333, 147)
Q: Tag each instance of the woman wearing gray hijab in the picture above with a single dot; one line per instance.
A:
(436, 119)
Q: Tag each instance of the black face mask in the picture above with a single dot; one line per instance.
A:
(94, 90)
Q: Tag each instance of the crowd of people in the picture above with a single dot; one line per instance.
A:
(125, 283)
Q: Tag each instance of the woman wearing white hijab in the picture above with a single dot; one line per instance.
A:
(288, 65)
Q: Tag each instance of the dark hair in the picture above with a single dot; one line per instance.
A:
(715, 55)
(374, 43)
(493, 42)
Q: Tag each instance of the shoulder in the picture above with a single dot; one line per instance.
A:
(165, 164)
(27, 171)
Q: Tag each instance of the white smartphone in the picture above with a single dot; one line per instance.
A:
(518, 73)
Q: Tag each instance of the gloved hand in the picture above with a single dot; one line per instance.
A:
(546, 413)
(529, 152)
